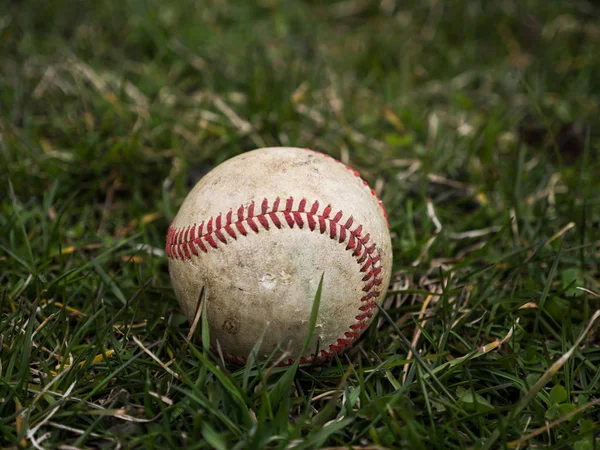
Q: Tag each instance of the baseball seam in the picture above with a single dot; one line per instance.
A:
(187, 242)
(357, 175)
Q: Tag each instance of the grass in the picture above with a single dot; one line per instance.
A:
(477, 122)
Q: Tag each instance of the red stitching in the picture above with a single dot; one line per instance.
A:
(314, 208)
(322, 224)
(357, 175)
(298, 219)
(200, 244)
(364, 256)
(252, 224)
(241, 228)
(342, 234)
(211, 241)
(221, 237)
(288, 219)
(275, 220)
(351, 243)
(311, 222)
(183, 243)
(367, 306)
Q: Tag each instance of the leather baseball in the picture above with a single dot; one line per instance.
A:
(258, 231)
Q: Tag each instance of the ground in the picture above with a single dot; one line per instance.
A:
(477, 124)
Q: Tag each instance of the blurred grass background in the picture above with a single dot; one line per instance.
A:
(475, 121)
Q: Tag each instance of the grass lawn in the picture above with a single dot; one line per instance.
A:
(477, 122)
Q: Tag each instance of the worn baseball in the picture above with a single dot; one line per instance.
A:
(259, 231)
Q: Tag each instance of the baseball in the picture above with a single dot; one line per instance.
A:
(259, 231)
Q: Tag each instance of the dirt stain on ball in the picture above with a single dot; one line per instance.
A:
(231, 325)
